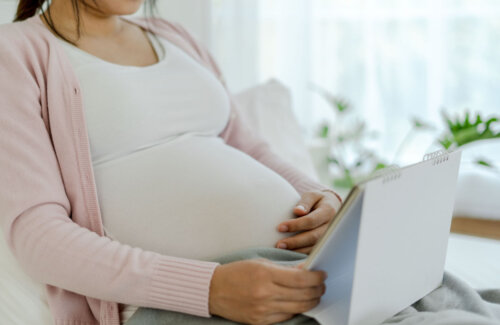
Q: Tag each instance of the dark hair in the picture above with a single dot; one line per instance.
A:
(29, 8)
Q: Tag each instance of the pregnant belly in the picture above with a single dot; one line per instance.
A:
(193, 197)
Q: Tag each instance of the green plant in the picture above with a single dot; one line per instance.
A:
(352, 160)
(417, 125)
(462, 131)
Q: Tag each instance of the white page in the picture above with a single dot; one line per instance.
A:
(337, 258)
(403, 238)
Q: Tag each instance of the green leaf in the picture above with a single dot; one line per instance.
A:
(461, 132)
(359, 163)
(446, 143)
(337, 103)
(484, 163)
(358, 131)
(466, 122)
(344, 182)
(341, 104)
(379, 166)
(449, 122)
(323, 133)
(419, 124)
(333, 160)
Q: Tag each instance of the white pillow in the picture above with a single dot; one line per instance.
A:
(478, 187)
(268, 109)
(22, 300)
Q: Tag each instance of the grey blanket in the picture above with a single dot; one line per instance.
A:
(453, 303)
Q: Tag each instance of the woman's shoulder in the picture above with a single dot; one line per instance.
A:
(12, 33)
(22, 30)
(22, 38)
(25, 52)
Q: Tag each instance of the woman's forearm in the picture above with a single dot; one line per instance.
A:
(56, 251)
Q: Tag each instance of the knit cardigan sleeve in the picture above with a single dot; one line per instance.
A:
(35, 211)
(239, 135)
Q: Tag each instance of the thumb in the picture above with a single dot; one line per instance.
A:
(306, 202)
(301, 265)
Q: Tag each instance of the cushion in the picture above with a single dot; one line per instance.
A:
(22, 300)
(478, 186)
(267, 108)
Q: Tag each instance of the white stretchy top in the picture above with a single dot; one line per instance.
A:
(165, 181)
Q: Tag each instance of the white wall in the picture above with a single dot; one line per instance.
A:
(192, 14)
(7, 10)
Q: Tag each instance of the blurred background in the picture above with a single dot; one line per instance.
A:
(364, 84)
(372, 82)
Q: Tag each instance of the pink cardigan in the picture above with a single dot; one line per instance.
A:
(48, 203)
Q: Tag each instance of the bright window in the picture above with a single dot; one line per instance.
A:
(391, 59)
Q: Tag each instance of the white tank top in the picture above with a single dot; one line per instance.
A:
(165, 181)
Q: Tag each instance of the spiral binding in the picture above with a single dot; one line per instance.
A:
(437, 157)
(388, 174)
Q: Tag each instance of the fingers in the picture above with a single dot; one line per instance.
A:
(296, 307)
(297, 278)
(278, 318)
(300, 294)
(301, 265)
(306, 202)
(304, 250)
(318, 217)
(303, 239)
(333, 197)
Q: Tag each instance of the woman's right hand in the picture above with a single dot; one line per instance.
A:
(261, 292)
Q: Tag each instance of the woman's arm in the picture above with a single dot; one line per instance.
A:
(35, 213)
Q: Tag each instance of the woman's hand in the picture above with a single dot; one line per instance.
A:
(314, 210)
(261, 292)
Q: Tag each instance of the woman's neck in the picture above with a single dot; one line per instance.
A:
(93, 23)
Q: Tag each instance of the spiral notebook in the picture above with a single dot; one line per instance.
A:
(386, 248)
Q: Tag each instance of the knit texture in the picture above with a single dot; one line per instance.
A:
(49, 209)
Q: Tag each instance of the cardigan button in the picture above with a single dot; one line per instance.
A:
(76, 90)
(87, 179)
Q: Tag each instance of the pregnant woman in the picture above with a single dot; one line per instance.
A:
(125, 169)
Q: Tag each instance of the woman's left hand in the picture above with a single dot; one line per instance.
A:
(315, 209)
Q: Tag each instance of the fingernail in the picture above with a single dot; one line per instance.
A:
(283, 228)
(300, 207)
(281, 245)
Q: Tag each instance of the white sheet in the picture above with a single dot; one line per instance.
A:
(475, 260)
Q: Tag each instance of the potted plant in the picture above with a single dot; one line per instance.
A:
(347, 159)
